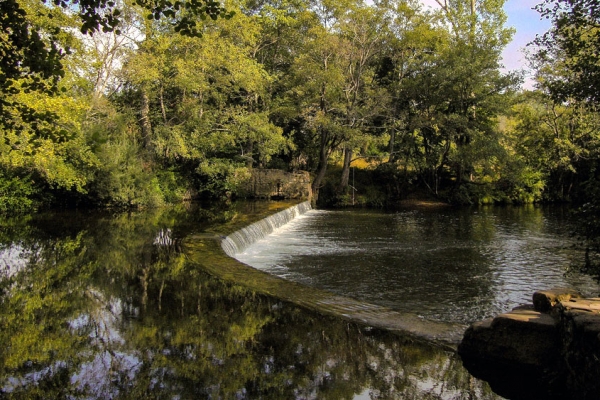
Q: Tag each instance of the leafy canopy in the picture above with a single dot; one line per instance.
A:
(573, 40)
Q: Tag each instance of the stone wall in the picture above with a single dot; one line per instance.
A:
(276, 184)
(548, 349)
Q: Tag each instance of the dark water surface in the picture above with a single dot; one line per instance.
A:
(454, 265)
(98, 306)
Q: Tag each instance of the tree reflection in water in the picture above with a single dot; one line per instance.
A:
(108, 307)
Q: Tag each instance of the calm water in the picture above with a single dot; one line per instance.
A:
(109, 306)
(100, 306)
(458, 265)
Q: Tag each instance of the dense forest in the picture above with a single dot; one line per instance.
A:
(136, 104)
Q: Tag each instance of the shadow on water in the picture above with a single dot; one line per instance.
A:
(109, 306)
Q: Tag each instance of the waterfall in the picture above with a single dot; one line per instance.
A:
(239, 240)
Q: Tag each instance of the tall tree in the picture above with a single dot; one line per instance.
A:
(316, 90)
(41, 138)
(568, 65)
(363, 28)
(450, 102)
(572, 46)
(207, 99)
(333, 88)
(32, 52)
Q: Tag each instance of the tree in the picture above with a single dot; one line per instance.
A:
(31, 54)
(572, 46)
(316, 91)
(448, 89)
(332, 87)
(41, 138)
(556, 140)
(363, 28)
(41, 108)
(28, 51)
(568, 66)
(204, 102)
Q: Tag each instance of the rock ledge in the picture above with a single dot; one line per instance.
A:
(548, 349)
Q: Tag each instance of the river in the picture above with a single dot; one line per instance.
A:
(448, 264)
(145, 305)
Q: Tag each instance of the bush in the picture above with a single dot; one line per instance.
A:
(16, 194)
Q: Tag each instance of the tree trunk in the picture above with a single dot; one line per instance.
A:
(145, 120)
(322, 167)
(162, 105)
(391, 146)
(249, 149)
(346, 169)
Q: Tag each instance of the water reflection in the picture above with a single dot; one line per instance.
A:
(98, 306)
(454, 265)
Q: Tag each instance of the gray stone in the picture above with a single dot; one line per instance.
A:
(562, 343)
(522, 336)
(274, 183)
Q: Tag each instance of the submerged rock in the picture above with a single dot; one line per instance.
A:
(549, 349)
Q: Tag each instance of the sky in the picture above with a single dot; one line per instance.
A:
(527, 23)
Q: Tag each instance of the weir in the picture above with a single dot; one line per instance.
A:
(242, 238)
(217, 257)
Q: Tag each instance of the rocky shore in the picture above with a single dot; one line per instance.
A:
(547, 349)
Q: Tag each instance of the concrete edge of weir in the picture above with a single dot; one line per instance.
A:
(206, 251)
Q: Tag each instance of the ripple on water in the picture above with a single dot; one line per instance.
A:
(449, 265)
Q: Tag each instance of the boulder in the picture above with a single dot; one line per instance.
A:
(551, 346)
(522, 336)
(580, 334)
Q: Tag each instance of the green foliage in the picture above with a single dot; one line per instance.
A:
(16, 194)
(555, 141)
(55, 151)
(139, 115)
(567, 62)
(41, 138)
(33, 51)
(221, 176)
(25, 55)
(332, 90)
(448, 91)
(50, 155)
(123, 178)
(589, 231)
(567, 54)
(172, 186)
(208, 97)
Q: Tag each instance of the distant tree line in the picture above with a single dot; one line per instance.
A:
(136, 104)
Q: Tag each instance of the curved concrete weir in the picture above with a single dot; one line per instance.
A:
(242, 238)
(216, 253)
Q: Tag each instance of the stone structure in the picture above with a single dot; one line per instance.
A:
(276, 184)
(549, 349)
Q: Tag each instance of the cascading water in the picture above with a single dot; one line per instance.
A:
(239, 240)
(236, 244)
